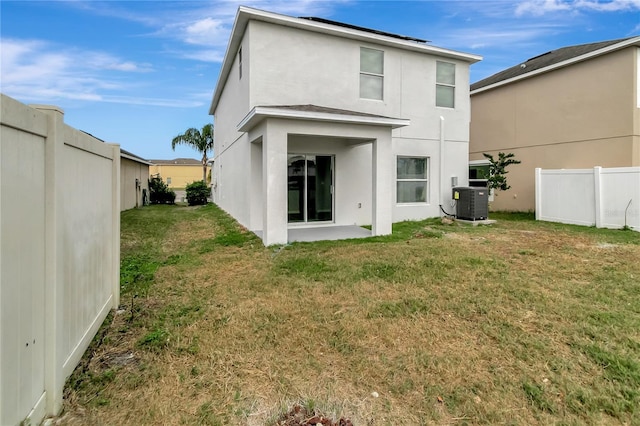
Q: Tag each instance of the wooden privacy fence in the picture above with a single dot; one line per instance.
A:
(59, 256)
(605, 198)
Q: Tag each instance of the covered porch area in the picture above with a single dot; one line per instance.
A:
(319, 173)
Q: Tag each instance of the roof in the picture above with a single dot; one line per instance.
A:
(177, 162)
(338, 29)
(368, 30)
(317, 113)
(553, 60)
(126, 154)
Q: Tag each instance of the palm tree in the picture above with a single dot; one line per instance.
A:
(200, 140)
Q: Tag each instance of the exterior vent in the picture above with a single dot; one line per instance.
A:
(472, 203)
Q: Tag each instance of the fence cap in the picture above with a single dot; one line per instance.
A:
(47, 108)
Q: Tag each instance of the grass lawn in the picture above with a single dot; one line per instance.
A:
(516, 323)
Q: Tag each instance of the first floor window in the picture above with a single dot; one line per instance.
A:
(412, 179)
(479, 173)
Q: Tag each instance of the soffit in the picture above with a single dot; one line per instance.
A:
(317, 113)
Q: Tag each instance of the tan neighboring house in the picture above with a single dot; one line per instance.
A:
(574, 107)
(179, 172)
(134, 180)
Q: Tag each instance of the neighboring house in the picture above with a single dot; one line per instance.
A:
(322, 123)
(179, 172)
(134, 180)
(574, 107)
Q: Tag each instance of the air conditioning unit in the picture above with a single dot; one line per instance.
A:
(471, 203)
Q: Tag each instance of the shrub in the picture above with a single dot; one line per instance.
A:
(197, 193)
(159, 192)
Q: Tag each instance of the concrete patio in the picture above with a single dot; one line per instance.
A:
(324, 233)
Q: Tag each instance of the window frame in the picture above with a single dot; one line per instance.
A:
(425, 180)
(371, 74)
(240, 63)
(445, 84)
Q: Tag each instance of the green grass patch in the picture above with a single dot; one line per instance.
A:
(402, 308)
(520, 322)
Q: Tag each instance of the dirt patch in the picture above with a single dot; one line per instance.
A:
(301, 416)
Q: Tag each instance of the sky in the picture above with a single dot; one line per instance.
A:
(139, 73)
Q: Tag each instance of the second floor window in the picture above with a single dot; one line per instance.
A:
(445, 84)
(371, 73)
(240, 62)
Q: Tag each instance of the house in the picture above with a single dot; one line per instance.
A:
(134, 180)
(179, 172)
(574, 107)
(320, 123)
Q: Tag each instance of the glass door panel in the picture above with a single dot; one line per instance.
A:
(296, 166)
(319, 188)
(310, 192)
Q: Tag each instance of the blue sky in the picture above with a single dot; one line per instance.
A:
(139, 73)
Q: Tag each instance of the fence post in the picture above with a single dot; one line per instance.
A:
(538, 183)
(54, 249)
(597, 187)
(115, 218)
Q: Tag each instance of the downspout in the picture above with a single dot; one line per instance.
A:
(441, 161)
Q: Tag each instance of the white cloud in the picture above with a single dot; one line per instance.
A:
(206, 24)
(37, 70)
(495, 36)
(542, 7)
(203, 31)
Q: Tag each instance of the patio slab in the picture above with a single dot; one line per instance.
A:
(324, 233)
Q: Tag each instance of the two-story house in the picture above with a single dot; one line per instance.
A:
(573, 107)
(320, 123)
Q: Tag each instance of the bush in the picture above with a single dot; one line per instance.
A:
(197, 193)
(159, 192)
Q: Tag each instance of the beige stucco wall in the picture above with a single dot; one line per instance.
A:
(130, 192)
(181, 175)
(580, 116)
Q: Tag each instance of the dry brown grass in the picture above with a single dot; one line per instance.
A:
(443, 324)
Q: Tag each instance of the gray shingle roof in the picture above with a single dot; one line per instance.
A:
(321, 109)
(124, 151)
(542, 61)
(178, 162)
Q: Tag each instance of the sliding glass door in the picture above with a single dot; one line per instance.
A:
(310, 193)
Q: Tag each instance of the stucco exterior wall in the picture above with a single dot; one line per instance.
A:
(134, 177)
(300, 67)
(288, 66)
(580, 116)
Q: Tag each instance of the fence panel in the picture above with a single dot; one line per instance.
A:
(568, 197)
(59, 256)
(620, 197)
(22, 266)
(606, 198)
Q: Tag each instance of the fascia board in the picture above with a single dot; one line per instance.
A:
(257, 114)
(137, 160)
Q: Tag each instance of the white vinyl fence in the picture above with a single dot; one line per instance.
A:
(605, 198)
(59, 256)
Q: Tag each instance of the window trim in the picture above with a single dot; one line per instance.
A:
(453, 86)
(426, 180)
(381, 76)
